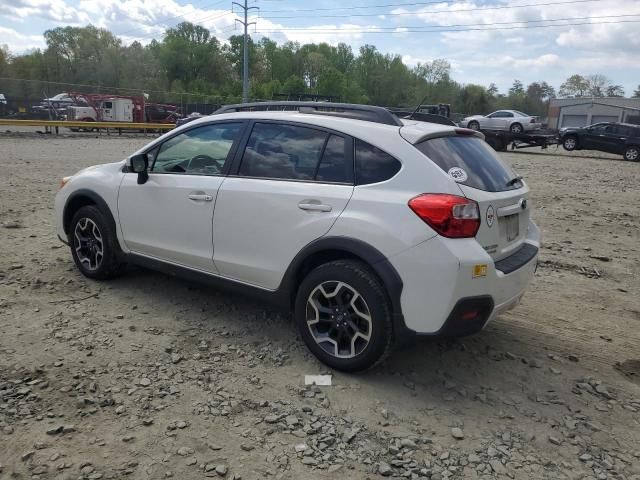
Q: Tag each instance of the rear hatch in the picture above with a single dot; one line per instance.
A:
(483, 177)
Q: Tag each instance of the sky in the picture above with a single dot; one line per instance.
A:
(482, 39)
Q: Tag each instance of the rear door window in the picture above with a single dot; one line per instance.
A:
(373, 165)
(293, 152)
(282, 151)
(481, 165)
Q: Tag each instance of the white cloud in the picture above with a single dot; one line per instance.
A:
(623, 37)
(54, 10)
(18, 42)
(478, 15)
(331, 34)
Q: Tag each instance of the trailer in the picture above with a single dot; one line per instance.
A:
(500, 140)
(93, 107)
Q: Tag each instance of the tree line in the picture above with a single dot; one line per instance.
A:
(189, 61)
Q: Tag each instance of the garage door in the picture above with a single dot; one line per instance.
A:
(574, 121)
(603, 118)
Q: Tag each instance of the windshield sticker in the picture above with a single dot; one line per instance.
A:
(458, 174)
(491, 216)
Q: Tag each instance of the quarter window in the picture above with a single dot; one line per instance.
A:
(199, 151)
(292, 152)
(373, 165)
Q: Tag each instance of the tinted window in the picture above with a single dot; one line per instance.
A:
(199, 151)
(520, 114)
(108, 105)
(484, 169)
(282, 151)
(373, 165)
(335, 165)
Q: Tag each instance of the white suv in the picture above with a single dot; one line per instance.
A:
(366, 225)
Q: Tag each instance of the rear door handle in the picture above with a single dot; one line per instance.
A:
(200, 197)
(314, 206)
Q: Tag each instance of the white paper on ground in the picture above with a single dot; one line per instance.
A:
(320, 380)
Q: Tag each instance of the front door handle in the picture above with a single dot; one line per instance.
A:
(314, 206)
(200, 197)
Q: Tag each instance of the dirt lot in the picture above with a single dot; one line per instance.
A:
(151, 377)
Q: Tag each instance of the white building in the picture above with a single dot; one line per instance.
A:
(583, 111)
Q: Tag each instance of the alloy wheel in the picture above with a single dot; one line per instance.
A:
(570, 143)
(632, 154)
(88, 244)
(339, 319)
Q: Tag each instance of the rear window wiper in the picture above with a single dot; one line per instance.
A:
(514, 180)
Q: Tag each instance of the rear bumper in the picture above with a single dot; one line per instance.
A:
(439, 285)
(531, 126)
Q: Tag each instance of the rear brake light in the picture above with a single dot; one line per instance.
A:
(449, 215)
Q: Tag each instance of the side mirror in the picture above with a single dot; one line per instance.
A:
(139, 164)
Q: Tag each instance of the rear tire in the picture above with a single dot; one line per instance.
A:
(94, 244)
(516, 128)
(570, 143)
(632, 154)
(343, 315)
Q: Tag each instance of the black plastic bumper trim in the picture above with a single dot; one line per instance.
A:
(457, 326)
(520, 258)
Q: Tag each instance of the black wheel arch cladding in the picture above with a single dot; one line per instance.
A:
(81, 198)
(354, 248)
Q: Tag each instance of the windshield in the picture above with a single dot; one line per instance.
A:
(470, 161)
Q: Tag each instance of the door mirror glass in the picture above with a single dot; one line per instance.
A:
(139, 163)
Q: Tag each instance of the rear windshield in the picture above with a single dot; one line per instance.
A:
(470, 161)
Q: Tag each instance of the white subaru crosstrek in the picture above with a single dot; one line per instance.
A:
(367, 226)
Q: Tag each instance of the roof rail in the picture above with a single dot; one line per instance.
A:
(367, 113)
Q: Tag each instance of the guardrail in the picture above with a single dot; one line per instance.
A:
(90, 125)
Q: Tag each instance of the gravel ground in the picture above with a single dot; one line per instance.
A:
(148, 376)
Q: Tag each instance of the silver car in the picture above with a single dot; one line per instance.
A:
(510, 120)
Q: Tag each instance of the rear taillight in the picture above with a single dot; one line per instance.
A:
(449, 215)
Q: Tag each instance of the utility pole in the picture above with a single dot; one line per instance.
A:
(245, 57)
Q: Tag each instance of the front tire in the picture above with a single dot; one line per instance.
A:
(474, 125)
(94, 245)
(570, 143)
(343, 315)
(632, 154)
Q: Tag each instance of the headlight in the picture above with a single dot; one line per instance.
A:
(64, 181)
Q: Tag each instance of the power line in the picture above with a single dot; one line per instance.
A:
(420, 12)
(373, 29)
(347, 30)
(386, 5)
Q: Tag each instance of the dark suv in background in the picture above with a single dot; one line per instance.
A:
(619, 138)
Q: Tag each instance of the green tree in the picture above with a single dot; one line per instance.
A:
(615, 91)
(331, 82)
(517, 89)
(636, 93)
(574, 86)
